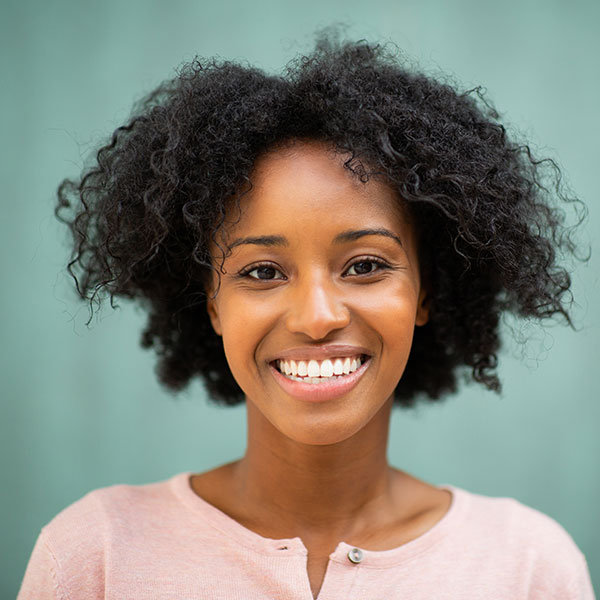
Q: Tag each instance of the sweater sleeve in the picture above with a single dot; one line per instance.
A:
(68, 560)
(40, 581)
(566, 577)
(582, 586)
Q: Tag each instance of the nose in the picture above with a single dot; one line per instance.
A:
(316, 308)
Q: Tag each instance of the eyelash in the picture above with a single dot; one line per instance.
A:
(381, 266)
(246, 272)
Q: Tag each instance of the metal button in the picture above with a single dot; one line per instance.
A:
(355, 555)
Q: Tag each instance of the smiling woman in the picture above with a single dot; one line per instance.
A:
(316, 294)
(321, 246)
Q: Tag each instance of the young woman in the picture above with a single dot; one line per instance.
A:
(321, 245)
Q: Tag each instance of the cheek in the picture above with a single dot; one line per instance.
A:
(392, 314)
(244, 326)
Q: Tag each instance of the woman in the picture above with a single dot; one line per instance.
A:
(320, 245)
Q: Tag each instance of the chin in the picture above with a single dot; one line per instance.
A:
(324, 432)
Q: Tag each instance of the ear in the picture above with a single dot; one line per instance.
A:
(212, 308)
(213, 314)
(422, 315)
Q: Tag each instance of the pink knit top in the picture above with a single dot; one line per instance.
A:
(163, 541)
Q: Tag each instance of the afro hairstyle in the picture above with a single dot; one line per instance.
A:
(489, 215)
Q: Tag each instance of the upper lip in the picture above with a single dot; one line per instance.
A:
(320, 352)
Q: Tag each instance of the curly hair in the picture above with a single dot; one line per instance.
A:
(490, 216)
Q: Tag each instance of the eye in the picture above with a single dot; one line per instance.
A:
(366, 267)
(262, 272)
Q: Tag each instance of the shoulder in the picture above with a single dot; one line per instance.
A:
(106, 507)
(514, 523)
(73, 548)
(509, 536)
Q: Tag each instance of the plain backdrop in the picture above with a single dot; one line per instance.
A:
(81, 408)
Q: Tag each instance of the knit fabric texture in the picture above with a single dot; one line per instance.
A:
(161, 540)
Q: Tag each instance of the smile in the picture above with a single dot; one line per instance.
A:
(321, 381)
(319, 371)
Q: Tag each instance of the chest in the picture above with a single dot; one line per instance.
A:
(219, 569)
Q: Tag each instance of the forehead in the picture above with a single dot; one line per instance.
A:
(304, 190)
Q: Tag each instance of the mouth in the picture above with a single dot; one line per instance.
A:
(320, 380)
(319, 371)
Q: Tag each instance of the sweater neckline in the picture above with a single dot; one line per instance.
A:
(181, 486)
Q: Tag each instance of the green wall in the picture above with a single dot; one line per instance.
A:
(80, 408)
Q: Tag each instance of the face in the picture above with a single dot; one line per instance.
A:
(320, 295)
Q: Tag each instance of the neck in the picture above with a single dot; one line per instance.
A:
(306, 488)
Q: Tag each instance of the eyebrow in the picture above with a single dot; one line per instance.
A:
(355, 234)
(346, 236)
(261, 240)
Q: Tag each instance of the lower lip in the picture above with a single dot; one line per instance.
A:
(320, 392)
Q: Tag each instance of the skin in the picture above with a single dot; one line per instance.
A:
(318, 470)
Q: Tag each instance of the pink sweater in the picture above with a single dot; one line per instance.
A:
(163, 541)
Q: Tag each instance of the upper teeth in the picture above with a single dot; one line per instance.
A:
(315, 368)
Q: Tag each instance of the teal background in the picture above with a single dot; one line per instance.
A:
(80, 408)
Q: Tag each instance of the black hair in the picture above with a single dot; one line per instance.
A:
(490, 216)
